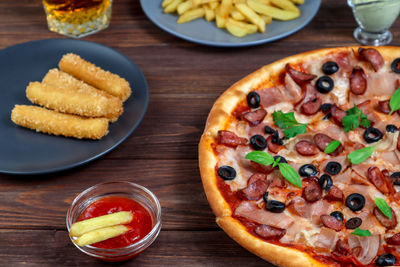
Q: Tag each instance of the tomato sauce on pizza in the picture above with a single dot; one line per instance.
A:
(300, 160)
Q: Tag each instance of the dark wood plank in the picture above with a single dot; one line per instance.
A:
(41, 202)
(171, 248)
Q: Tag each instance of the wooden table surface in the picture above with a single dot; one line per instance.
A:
(184, 79)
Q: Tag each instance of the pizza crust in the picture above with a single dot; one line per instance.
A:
(217, 120)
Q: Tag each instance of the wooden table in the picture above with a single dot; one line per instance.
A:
(184, 80)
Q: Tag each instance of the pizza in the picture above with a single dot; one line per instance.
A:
(300, 160)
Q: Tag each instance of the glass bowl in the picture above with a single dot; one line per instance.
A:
(121, 189)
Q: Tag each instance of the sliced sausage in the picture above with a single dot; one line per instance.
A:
(342, 247)
(306, 148)
(261, 168)
(358, 81)
(255, 177)
(298, 76)
(230, 139)
(273, 147)
(254, 191)
(372, 56)
(383, 106)
(331, 222)
(323, 140)
(385, 221)
(311, 107)
(394, 239)
(255, 117)
(389, 181)
(334, 194)
(269, 232)
(376, 177)
(337, 114)
(312, 191)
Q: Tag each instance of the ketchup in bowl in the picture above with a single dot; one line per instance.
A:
(107, 198)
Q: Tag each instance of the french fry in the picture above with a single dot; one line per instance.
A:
(80, 228)
(183, 7)
(250, 28)
(251, 16)
(225, 8)
(209, 13)
(235, 14)
(299, 2)
(101, 234)
(267, 19)
(286, 5)
(213, 5)
(235, 30)
(171, 8)
(166, 3)
(265, 2)
(191, 15)
(273, 12)
(239, 1)
(195, 3)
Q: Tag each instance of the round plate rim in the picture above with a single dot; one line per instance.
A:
(116, 144)
(228, 44)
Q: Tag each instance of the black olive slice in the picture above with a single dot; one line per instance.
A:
(227, 172)
(338, 215)
(390, 128)
(372, 134)
(275, 206)
(282, 159)
(355, 202)
(386, 259)
(265, 197)
(308, 170)
(330, 67)
(395, 65)
(253, 100)
(324, 84)
(258, 142)
(269, 130)
(353, 223)
(327, 116)
(326, 107)
(325, 181)
(333, 167)
(396, 178)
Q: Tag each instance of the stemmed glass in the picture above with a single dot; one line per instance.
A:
(374, 17)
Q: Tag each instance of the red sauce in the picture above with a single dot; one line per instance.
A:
(141, 224)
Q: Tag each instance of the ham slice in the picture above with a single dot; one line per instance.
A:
(327, 238)
(311, 211)
(367, 247)
(252, 212)
(293, 91)
(271, 96)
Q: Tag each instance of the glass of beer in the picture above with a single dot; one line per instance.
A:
(77, 18)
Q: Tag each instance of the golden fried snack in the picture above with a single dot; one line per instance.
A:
(52, 122)
(62, 92)
(95, 76)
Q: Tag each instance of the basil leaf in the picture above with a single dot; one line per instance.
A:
(290, 174)
(395, 101)
(295, 130)
(353, 118)
(358, 156)
(384, 207)
(260, 157)
(360, 232)
(286, 121)
(331, 147)
(276, 162)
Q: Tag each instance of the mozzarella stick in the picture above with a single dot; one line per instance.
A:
(95, 76)
(82, 227)
(80, 98)
(101, 235)
(52, 122)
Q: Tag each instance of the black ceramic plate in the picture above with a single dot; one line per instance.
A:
(23, 151)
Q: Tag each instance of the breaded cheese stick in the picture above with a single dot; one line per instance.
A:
(52, 122)
(95, 76)
(72, 86)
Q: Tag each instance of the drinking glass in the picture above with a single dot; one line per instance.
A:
(374, 18)
(77, 18)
